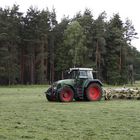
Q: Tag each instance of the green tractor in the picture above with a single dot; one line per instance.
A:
(80, 86)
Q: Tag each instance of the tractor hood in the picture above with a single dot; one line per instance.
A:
(66, 81)
(61, 83)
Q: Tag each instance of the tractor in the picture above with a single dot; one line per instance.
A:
(80, 86)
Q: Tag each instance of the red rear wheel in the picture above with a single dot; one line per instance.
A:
(66, 94)
(94, 92)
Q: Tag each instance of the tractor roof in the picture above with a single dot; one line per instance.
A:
(88, 69)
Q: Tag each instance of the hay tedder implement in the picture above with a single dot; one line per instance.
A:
(121, 93)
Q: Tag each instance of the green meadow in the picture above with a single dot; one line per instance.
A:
(25, 114)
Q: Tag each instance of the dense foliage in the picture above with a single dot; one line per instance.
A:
(36, 49)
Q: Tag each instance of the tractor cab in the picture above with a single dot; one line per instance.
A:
(81, 73)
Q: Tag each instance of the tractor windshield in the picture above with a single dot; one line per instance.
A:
(73, 74)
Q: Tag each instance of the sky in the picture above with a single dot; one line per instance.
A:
(126, 9)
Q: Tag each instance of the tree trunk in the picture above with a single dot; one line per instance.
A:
(22, 66)
(97, 60)
(52, 60)
(9, 76)
(46, 60)
(62, 75)
(42, 76)
(32, 69)
(120, 63)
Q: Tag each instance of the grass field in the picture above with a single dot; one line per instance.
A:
(25, 114)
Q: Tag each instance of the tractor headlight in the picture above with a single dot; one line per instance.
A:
(55, 86)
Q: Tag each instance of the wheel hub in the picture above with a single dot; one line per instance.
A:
(65, 95)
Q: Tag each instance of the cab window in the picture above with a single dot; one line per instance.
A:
(83, 74)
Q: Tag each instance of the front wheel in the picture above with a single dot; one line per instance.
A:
(50, 97)
(66, 94)
(94, 92)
